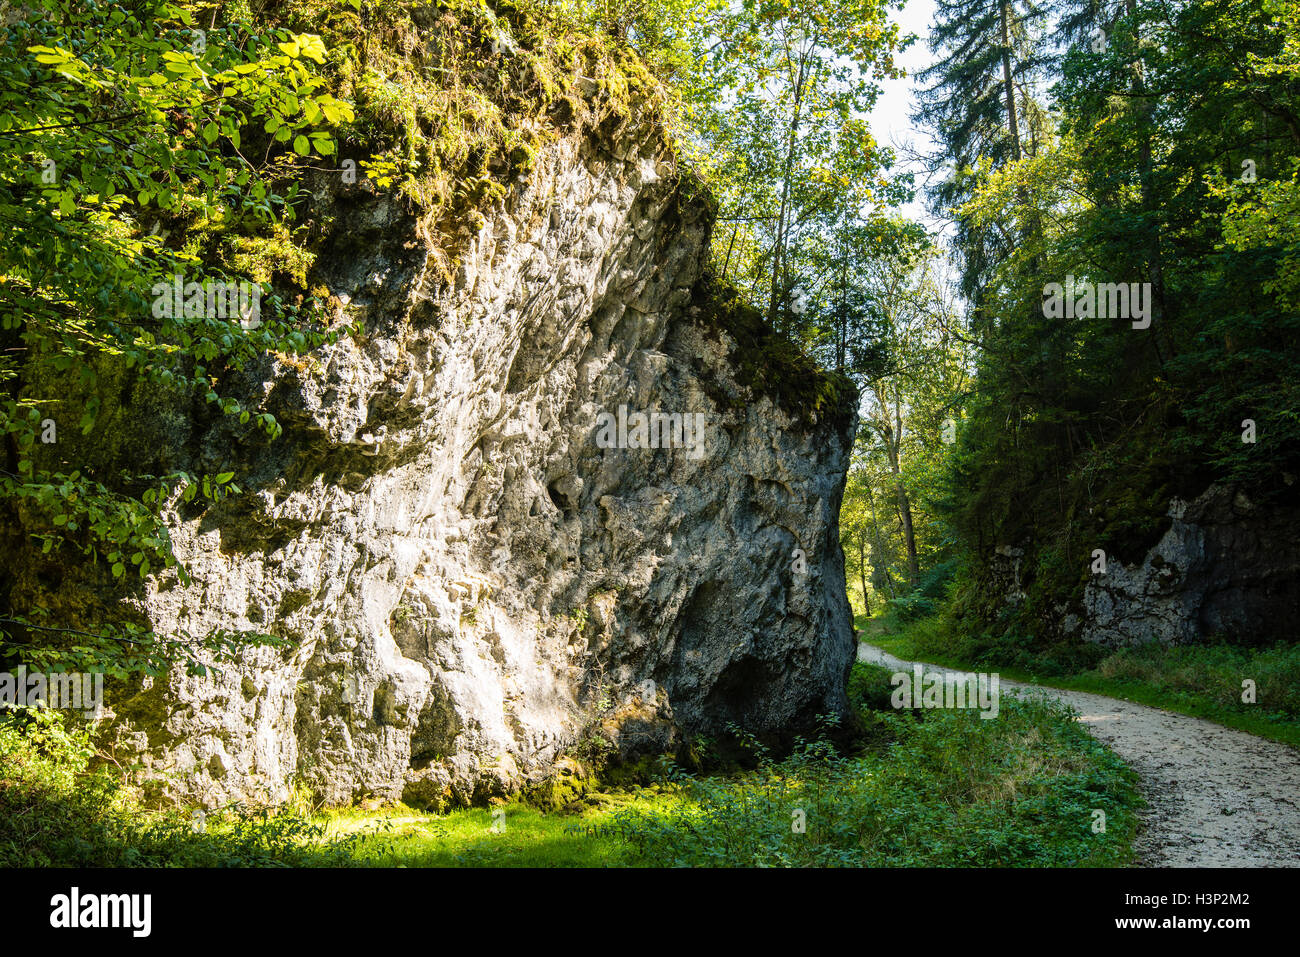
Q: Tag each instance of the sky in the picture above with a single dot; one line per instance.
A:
(891, 121)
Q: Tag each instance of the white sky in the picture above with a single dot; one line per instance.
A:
(891, 121)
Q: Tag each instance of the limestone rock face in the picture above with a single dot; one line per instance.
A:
(470, 581)
(1226, 567)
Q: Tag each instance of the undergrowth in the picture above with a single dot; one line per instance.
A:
(1256, 689)
(950, 790)
(57, 808)
(922, 789)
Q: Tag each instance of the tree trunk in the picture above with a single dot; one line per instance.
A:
(778, 252)
(893, 436)
(909, 536)
(1142, 103)
(1013, 124)
(734, 229)
(862, 573)
(842, 342)
(879, 547)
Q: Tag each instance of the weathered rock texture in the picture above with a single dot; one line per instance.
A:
(1226, 568)
(471, 583)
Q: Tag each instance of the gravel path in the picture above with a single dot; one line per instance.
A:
(1216, 797)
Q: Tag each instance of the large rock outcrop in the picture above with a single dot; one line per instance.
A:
(1226, 568)
(471, 583)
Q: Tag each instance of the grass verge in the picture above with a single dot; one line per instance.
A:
(1203, 681)
(922, 789)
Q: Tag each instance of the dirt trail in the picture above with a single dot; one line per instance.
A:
(1216, 797)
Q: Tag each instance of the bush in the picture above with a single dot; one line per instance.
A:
(869, 687)
(928, 594)
(59, 810)
(953, 790)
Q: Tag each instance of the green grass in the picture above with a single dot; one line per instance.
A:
(937, 789)
(949, 790)
(512, 835)
(1203, 681)
(918, 788)
(57, 810)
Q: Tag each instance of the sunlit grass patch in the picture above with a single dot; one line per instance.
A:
(935, 788)
(511, 835)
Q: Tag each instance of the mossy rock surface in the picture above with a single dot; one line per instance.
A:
(769, 363)
(565, 787)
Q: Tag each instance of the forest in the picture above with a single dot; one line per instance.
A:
(1018, 390)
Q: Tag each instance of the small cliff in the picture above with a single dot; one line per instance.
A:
(1225, 567)
(1228, 567)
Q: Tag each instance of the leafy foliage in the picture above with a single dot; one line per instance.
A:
(121, 126)
(951, 790)
(60, 808)
(1170, 162)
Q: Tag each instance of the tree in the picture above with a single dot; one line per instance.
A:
(980, 106)
(120, 125)
(855, 534)
(911, 402)
(792, 152)
(1172, 169)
